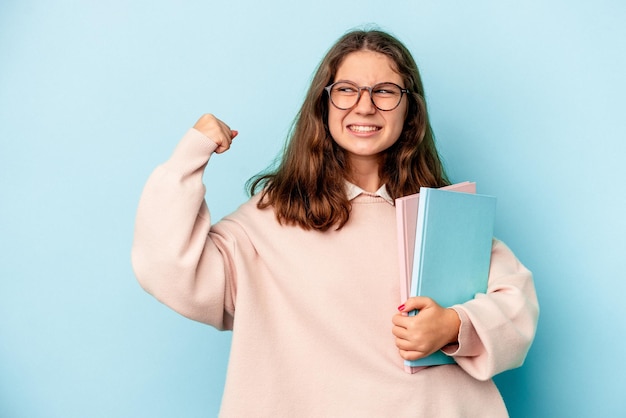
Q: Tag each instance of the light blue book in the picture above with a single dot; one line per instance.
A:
(453, 242)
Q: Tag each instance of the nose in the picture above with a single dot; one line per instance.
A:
(365, 105)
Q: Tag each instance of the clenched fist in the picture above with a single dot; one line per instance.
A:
(217, 131)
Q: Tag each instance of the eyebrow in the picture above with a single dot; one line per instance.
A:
(375, 84)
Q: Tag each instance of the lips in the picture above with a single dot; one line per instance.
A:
(363, 128)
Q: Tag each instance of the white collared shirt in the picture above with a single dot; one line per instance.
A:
(352, 191)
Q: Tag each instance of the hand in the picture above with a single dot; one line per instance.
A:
(217, 131)
(421, 335)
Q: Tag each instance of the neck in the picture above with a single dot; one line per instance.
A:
(364, 173)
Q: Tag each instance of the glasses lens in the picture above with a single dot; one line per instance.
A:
(344, 95)
(386, 96)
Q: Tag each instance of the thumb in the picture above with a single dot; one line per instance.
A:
(415, 303)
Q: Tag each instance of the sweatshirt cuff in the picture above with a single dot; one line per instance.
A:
(191, 154)
(195, 134)
(468, 343)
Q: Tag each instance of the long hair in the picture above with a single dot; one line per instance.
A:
(308, 186)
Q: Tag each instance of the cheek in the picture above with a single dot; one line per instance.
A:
(334, 123)
(402, 117)
(397, 124)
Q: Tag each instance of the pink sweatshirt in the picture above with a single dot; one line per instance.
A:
(311, 311)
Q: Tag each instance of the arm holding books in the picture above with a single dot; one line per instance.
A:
(497, 328)
(492, 333)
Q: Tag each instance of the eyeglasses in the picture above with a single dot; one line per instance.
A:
(345, 95)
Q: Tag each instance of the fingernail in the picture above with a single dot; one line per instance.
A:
(233, 134)
(401, 307)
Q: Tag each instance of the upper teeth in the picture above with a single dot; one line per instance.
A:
(363, 128)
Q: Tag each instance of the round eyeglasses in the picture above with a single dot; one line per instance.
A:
(345, 95)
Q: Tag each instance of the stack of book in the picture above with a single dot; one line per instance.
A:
(444, 244)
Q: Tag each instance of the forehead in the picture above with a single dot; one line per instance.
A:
(367, 68)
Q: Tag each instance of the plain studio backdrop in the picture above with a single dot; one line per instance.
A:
(526, 99)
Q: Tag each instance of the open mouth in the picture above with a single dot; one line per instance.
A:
(363, 128)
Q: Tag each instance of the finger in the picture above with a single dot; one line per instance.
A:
(221, 149)
(225, 130)
(411, 355)
(400, 332)
(399, 320)
(223, 144)
(225, 138)
(416, 303)
(229, 134)
(404, 345)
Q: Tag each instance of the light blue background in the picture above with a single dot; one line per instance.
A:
(526, 98)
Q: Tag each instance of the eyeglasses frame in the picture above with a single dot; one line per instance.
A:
(369, 89)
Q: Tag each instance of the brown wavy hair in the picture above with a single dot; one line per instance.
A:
(307, 188)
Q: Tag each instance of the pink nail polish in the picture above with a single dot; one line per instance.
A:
(401, 307)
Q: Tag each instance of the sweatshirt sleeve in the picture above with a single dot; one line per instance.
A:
(497, 328)
(173, 255)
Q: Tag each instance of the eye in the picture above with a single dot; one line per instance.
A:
(386, 90)
(345, 88)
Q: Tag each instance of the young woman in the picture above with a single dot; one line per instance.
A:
(305, 273)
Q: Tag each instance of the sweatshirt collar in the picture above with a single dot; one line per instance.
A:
(352, 190)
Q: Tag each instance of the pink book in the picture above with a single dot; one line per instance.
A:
(406, 220)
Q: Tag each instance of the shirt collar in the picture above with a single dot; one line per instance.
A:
(352, 190)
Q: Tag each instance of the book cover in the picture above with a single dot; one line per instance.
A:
(453, 240)
(406, 217)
